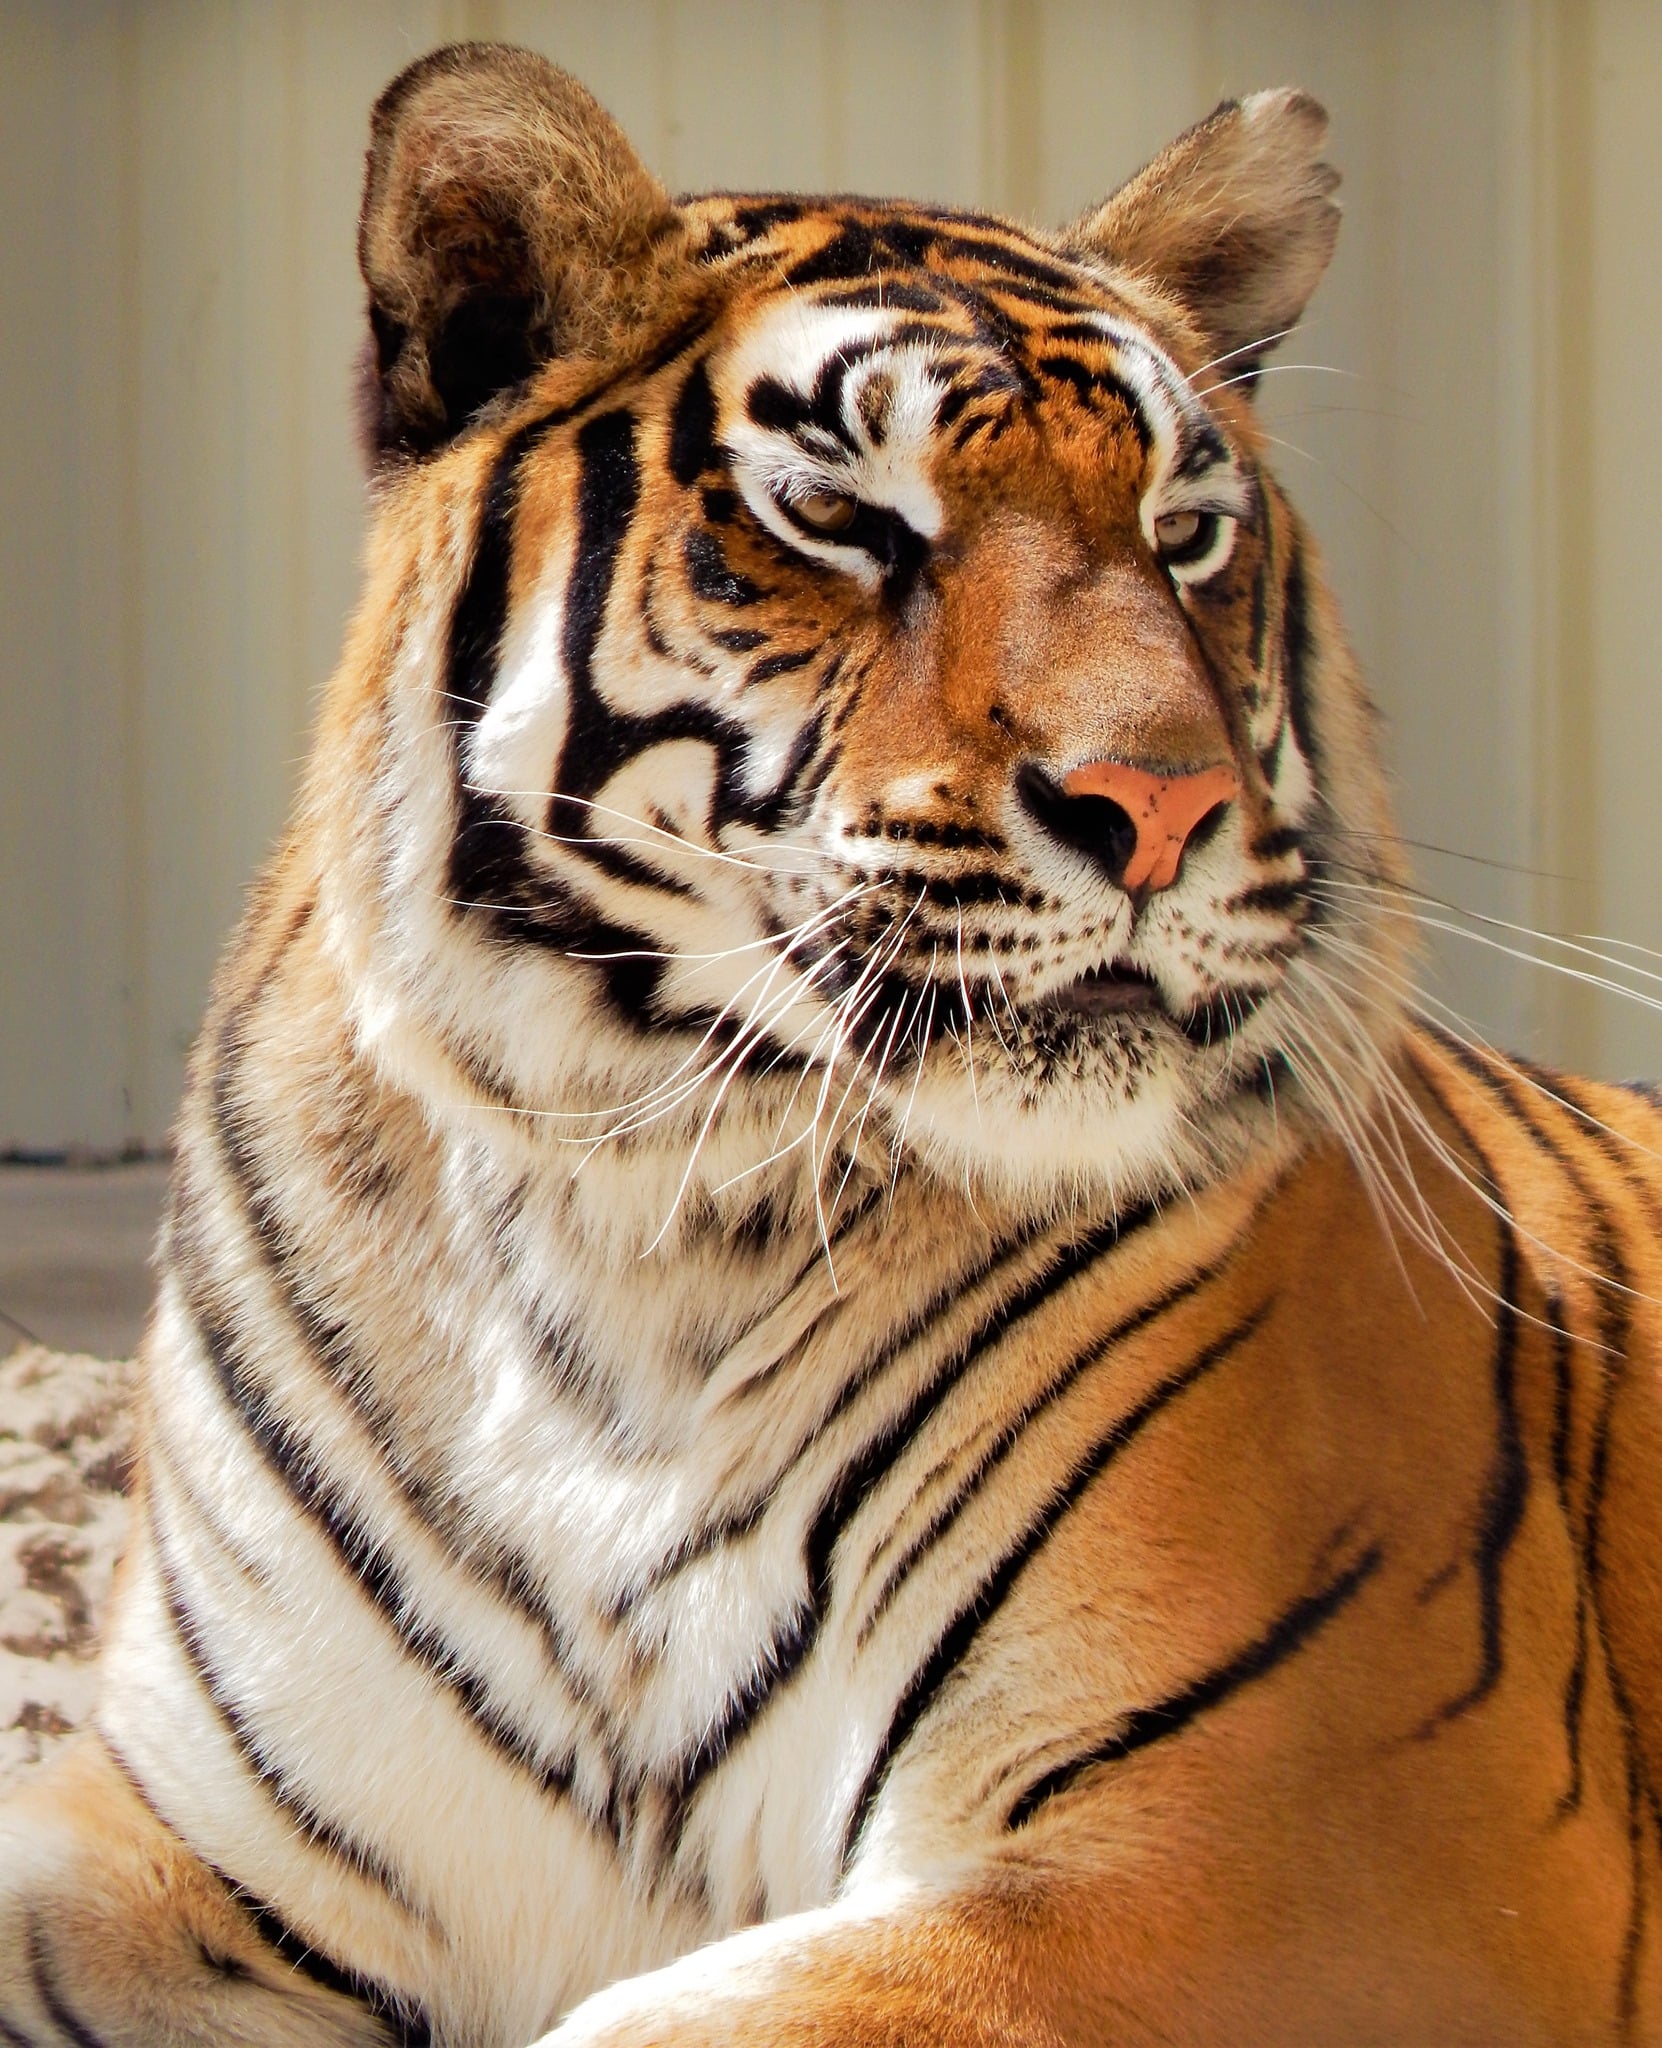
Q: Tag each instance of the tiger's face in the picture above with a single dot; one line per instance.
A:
(885, 697)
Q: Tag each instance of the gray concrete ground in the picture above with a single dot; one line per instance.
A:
(75, 1245)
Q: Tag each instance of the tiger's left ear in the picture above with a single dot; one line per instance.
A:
(1235, 219)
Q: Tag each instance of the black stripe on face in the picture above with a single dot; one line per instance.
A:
(859, 249)
(1258, 631)
(1091, 386)
(1206, 448)
(1290, 1633)
(598, 740)
(1285, 895)
(490, 878)
(13, 2037)
(488, 875)
(887, 295)
(608, 490)
(1282, 839)
(692, 429)
(772, 665)
(1297, 656)
(51, 1994)
(956, 1641)
(710, 575)
(1025, 265)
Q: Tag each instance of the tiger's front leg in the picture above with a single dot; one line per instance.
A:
(113, 1935)
(877, 1971)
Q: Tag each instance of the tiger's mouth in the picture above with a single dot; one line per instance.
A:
(1107, 991)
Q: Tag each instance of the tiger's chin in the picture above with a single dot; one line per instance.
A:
(1099, 1099)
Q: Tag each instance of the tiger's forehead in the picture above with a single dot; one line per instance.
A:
(864, 329)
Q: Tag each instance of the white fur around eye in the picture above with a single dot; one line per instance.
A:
(1192, 542)
(773, 469)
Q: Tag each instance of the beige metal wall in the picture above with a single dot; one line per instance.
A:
(181, 509)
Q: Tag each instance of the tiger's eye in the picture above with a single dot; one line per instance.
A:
(1176, 529)
(825, 511)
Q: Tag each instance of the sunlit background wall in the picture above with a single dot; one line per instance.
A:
(1472, 417)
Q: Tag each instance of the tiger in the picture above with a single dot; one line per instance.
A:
(835, 1362)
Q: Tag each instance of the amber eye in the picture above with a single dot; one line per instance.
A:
(825, 511)
(1177, 529)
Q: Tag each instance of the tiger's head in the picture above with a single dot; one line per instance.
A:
(839, 673)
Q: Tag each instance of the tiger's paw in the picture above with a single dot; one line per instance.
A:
(112, 1932)
(893, 1975)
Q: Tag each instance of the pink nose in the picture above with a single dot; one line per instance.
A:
(1163, 809)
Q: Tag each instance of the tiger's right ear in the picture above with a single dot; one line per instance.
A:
(505, 220)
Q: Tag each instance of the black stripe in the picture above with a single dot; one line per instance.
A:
(68, 2022)
(961, 1634)
(407, 2024)
(772, 665)
(1575, 1683)
(1614, 1332)
(1268, 896)
(739, 1521)
(795, 1638)
(1269, 755)
(489, 879)
(320, 1833)
(1216, 1022)
(1617, 1151)
(1206, 449)
(370, 1565)
(1298, 654)
(1028, 265)
(1095, 1353)
(887, 294)
(1273, 844)
(598, 740)
(1258, 629)
(1090, 385)
(487, 862)
(1506, 1489)
(409, 2027)
(1501, 1081)
(13, 2038)
(503, 1572)
(1050, 297)
(692, 429)
(711, 576)
(1145, 1726)
(1627, 1980)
